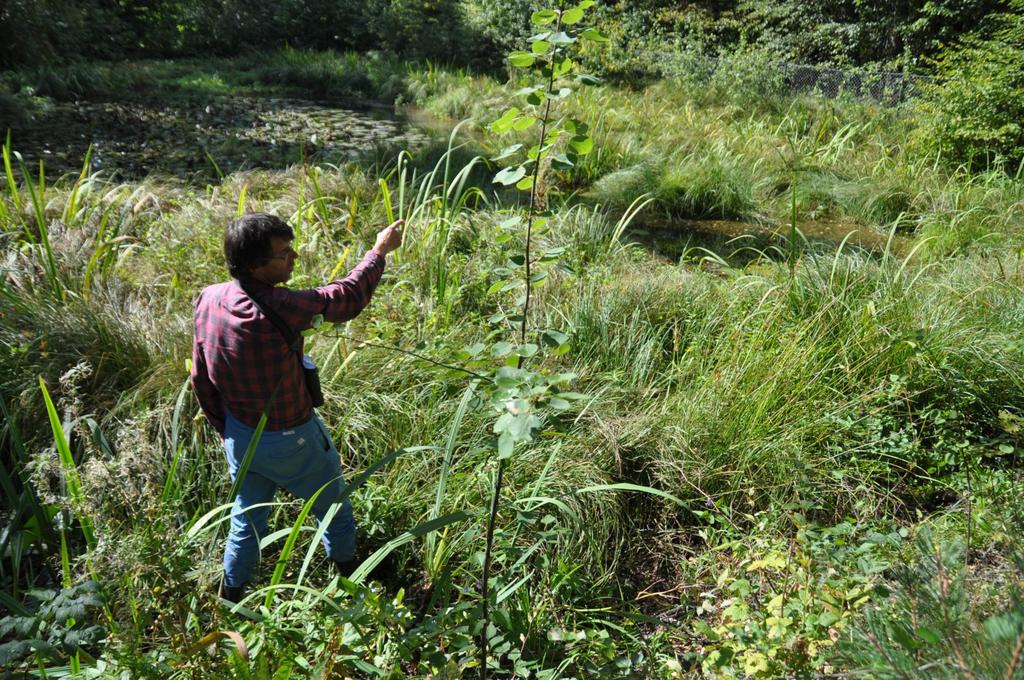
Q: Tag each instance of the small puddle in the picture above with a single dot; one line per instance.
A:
(186, 137)
(742, 242)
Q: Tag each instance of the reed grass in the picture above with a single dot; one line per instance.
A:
(724, 391)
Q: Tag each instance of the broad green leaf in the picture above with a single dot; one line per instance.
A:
(563, 67)
(588, 79)
(473, 350)
(537, 277)
(540, 46)
(507, 152)
(504, 124)
(572, 16)
(552, 254)
(523, 123)
(521, 59)
(525, 184)
(544, 16)
(525, 91)
(554, 338)
(503, 423)
(561, 162)
(505, 445)
(558, 403)
(582, 144)
(561, 39)
(527, 350)
(501, 349)
(536, 98)
(594, 35)
(511, 175)
(576, 127)
(507, 377)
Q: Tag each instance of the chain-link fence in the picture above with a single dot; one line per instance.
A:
(886, 87)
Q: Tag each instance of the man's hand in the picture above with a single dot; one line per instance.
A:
(389, 238)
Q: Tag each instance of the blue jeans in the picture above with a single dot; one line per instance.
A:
(301, 459)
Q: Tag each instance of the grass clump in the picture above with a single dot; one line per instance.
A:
(755, 445)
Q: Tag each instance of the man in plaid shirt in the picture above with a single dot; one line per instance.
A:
(239, 359)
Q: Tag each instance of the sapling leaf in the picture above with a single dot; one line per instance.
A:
(525, 184)
(501, 349)
(594, 35)
(474, 349)
(543, 17)
(523, 123)
(561, 38)
(540, 46)
(562, 162)
(559, 403)
(554, 338)
(572, 16)
(510, 175)
(504, 124)
(582, 144)
(521, 59)
(576, 127)
(505, 445)
(506, 152)
(527, 350)
(507, 377)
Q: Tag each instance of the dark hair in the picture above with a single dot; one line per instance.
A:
(247, 241)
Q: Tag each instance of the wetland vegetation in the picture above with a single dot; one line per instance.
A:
(762, 416)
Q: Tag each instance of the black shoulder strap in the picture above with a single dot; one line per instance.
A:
(290, 336)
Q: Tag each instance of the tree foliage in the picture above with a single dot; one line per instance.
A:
(974, 114)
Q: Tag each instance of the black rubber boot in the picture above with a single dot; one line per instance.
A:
(232, 594)
(345, 568)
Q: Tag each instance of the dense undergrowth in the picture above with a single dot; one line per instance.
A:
(795, 459)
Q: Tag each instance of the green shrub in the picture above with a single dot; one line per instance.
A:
(974, 115)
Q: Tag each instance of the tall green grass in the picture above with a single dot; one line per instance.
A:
(730, 393)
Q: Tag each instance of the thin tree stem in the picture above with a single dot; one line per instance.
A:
(524, 328)
(485, 587)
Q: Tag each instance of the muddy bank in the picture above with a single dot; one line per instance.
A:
(742, 242)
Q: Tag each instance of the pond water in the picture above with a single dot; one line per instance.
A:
(741, 242)
(196, 138)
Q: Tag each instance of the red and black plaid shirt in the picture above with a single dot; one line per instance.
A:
(238, 355)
